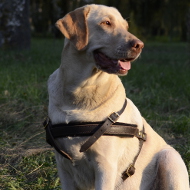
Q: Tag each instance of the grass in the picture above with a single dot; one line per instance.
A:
(158, 84)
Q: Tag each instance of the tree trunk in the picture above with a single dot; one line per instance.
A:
(14, 24)
(188, 32)
(188, 26)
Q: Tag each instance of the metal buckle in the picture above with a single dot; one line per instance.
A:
(142, 135)
(46, 122)
(127, 171)
(113, 117)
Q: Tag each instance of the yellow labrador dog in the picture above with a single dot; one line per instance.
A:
(101, 140)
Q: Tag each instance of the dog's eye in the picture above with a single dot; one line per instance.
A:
(108, 23)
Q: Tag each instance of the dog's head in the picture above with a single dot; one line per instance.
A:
(101, 30)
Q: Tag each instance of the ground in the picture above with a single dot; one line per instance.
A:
(158, 84)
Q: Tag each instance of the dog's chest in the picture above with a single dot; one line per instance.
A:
(82, 172)
(98, 160)
(81, 169)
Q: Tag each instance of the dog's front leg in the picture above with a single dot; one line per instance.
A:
(105, 176)
(66, 178)
(172, 172)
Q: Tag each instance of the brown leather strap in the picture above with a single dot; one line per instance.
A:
(51, 140)
(88, 129)
(141, 135)
(96, 129)
(84, 129)
(103, 128)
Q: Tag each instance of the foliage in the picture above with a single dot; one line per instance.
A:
(14, 24)
(150, 18)
(158, 84)
(188, 29)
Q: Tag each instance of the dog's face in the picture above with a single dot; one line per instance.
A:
(102, 31)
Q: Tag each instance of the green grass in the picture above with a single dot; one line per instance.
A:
(158, 84)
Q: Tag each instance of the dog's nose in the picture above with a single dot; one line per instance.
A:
(137, 44)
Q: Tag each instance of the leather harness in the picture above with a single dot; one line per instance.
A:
(95, 130)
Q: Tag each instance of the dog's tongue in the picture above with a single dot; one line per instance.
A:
(125, 65)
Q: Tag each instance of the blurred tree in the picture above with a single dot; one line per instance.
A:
(188, 25)
(14, 24)
(158, 18)
(173, 18)
(41, 15)
(44, 14)
(188, 31)
(147, 18)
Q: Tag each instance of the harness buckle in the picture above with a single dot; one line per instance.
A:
(142, 135)
(129, 172)
(113, 117)
(46, 122)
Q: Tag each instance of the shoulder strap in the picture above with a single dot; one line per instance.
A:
(131, 168)
(102, 129)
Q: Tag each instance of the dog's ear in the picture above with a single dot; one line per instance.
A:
(74, 27)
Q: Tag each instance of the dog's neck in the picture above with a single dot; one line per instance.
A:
(84, 86)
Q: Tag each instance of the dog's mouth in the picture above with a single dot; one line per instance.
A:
(112, 66)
